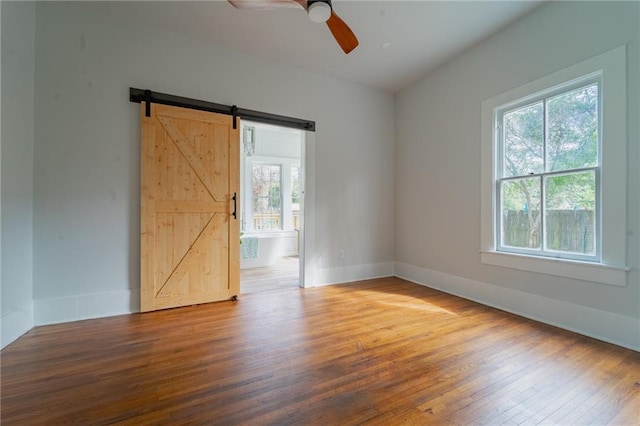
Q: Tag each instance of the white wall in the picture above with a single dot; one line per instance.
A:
(274, 141)
(85, 198)
(438, 169)
(18, 48)
(86, 220)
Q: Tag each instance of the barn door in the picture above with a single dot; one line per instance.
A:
(190, 232)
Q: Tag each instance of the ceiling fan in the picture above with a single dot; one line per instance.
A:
(319, 11)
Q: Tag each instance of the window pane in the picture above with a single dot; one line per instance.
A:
(572, 126)
(295, 184)
(523, 141)
(295, 197)
(266, 197)
(570, 201)
(521, 213)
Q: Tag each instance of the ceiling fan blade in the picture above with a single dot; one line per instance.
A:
(340, 30)
(267, 4)
(342, 33)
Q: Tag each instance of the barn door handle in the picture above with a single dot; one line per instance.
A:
(235, 205)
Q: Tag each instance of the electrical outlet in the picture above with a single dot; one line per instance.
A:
(341, 253)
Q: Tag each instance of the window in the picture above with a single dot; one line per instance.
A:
(553, 183)
(295, 196)
(548, 173)
(267, 200)
(275, 195)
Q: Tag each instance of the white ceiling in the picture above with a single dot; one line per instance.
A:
(422, 34)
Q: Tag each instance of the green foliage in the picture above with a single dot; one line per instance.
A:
(571, 191)
(556, 134)
(274, 196)
(266, 187)
(572, 125)
(524, 140)
(571, 134)
(295, 185)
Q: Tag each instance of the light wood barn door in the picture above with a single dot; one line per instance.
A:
(190, 237)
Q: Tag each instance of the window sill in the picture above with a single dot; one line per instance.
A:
(594, 272)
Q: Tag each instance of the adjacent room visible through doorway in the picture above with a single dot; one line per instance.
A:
(271, 186)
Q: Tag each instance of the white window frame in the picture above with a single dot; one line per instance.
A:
(610, 269)
(285, 191)
(588, 80)
(252, 199)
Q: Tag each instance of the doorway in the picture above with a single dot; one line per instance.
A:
(307, 263)
(272, 202)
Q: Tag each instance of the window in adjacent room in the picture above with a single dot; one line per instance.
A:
(295, 196)
(267, 199)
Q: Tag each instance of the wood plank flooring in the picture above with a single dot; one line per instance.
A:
(284, 274)
(379, 352)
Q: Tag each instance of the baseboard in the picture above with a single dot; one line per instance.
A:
(606, 326)
(86, 306)
(345, 274)
(16, 323)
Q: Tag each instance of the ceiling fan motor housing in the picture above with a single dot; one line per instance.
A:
(319, 10)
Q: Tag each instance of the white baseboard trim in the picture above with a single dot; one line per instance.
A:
(85, 306)
(345, 274)
(98, 305)
(16, 323)
(606, 326)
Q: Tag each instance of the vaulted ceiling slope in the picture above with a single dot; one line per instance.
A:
(400, 41)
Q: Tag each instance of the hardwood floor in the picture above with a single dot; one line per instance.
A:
(284, 274)
(380, 352)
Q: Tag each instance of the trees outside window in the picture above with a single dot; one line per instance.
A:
(267, 200)
(295, 196)
(553, 180)
(549, 171)
(275, 195)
